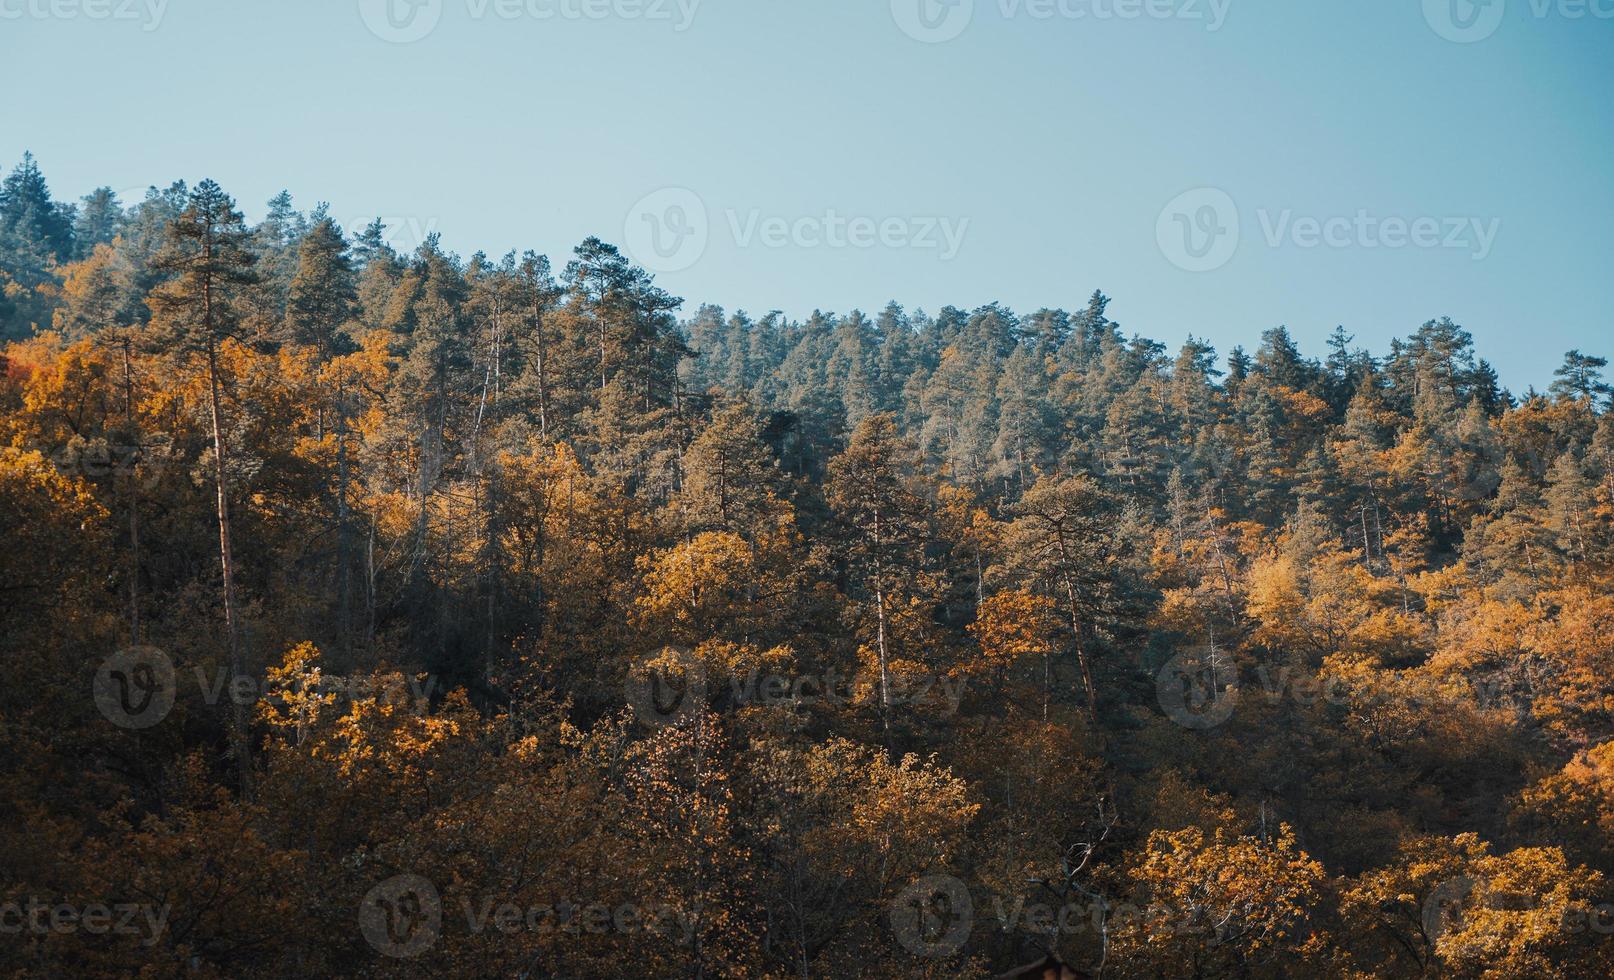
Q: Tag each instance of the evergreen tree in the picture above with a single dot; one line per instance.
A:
(30, 222)
(209, 264)
(1580, 377)
(321, 297)
(872, 491)
(97, 223)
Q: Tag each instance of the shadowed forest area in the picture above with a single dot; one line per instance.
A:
(378, 614)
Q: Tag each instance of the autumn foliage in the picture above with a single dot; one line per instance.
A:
(379, 614)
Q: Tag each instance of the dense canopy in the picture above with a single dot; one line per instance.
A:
(378, 614)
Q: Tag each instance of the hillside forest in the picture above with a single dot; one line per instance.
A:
(369, 614)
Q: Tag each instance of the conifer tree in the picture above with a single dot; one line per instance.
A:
(209, 264)
(871, 489)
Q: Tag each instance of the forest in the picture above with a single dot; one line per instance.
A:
(368, 614)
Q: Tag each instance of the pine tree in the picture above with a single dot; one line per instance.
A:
(209, 262)
(536, 297)
(321, 302)
(730, 477)
(321, 297)
(1580, 377)
(1061, 540)
(29, 220)
(1569, 504)
(35, 234)
(871, 489)
(97, 223)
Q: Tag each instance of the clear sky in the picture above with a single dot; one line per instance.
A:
(1382, 163)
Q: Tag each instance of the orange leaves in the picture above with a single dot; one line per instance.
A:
(691, 585)
(1221, 899)
(53, 530)
(1012, 625)
(1449, 904)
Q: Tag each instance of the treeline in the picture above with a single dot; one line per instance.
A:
(352, 597)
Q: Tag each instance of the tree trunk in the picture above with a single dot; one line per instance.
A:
(134, 497)
(343, 547)
(238, 735)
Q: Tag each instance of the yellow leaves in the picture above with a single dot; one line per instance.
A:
(1579, 799)
(717, 585)
(1178, 803)
(298, 692)
(52, 528)
(1012, 625)
(1242, 898)
(1275, 599)
(693, 582)
(1187, 611)
(1449, 903)
(905, 816)
(1302, 406)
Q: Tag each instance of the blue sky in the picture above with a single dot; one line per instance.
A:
(837, 154)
